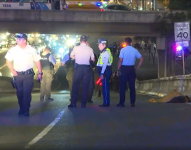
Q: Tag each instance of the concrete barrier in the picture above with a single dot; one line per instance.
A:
(164, 86)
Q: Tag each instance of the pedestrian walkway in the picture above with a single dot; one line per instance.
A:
(52, 125)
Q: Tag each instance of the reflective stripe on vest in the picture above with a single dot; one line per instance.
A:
(100, 60)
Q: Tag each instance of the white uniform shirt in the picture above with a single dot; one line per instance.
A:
(23, 59)
(82, 54)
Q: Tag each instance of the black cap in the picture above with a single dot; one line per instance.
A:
(47, 47)
(21, 35)
(83, 38)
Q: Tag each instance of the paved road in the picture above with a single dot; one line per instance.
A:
(53, 126)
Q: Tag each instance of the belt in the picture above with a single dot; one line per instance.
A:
(29, 71)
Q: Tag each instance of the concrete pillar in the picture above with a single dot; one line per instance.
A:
(162, 56)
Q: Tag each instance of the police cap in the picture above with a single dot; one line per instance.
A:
(21, 36)
(83, 38)
(102, 41)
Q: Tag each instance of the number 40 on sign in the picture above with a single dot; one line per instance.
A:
(182, 31)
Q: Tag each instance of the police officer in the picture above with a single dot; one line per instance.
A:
(23, 57)
(82, 55)
(104, 70)
(127, 60)
(92, 77)
(47, 63)
(69, 68)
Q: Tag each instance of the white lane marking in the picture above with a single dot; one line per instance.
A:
(46, 130)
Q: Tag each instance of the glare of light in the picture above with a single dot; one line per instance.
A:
(54, 44)
(59, 56)
(56, 38)
(76, 35)
(3, 43)
(3, 37)
(13, 42)
(7, 33)
(0, 74)
(11, 74)
(40, 41)
(32, 35)
(37, 35)
(61, 50)
(80, 4)
(179, 48)
(47, 38)
(124, 45)
(104, 2)
(98, 4)
(70, 42)
(67, 35)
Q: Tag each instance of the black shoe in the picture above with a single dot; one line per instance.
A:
(20, 112)
(103, 105)
(132, 105)
(90, 101)
(42, 98)
(49, 99)
(26, 114)
(72, 106)
(83, 105)
(120, 105)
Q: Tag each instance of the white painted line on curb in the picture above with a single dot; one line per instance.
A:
(46, 130)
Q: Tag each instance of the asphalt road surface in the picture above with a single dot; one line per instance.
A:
(51, 125)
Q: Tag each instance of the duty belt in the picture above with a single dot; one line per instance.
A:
(29, 71)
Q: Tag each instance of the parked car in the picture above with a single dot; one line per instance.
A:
(116, 7)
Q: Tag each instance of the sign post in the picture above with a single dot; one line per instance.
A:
(182, 33)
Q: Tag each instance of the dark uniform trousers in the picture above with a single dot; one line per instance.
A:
(91, 84)
(24, 84)
(106, 87)
(128, 74)
(81, 73)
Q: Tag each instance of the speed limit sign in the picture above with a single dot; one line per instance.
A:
(182, 31)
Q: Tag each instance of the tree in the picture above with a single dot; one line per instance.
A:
(179, 4)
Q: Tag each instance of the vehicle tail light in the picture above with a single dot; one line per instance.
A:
(102, 9)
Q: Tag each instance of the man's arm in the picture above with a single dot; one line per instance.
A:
(52, 60)
(65, 59)
(92, 56)
(120, 63)
(10, 66)
(38, 65)
(140, 62)
(72, 55)
(105, 62)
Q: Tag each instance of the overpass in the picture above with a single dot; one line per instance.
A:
(136, 23)
(79, 22)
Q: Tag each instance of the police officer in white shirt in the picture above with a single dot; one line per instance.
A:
(126, 63)
(82, 55)
(23, 57)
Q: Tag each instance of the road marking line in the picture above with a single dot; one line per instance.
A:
(46, 130)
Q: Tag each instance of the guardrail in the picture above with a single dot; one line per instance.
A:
(164, 86)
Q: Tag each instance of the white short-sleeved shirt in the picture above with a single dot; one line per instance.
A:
(129, 55)
(82, 54)
(23, 59)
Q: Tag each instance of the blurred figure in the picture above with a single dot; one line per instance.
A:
(47, 63)
(68, 64)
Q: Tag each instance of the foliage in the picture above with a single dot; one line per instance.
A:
(166, 22)
(179, 4)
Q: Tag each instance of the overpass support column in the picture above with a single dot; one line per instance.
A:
(162, 57)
